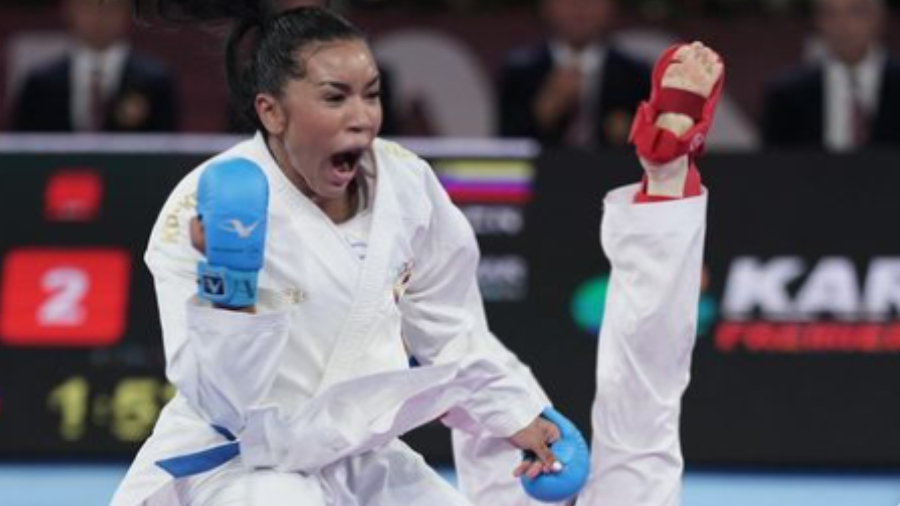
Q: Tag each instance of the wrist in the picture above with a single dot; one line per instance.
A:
(674, 122)
(667, 179)
(227, 288)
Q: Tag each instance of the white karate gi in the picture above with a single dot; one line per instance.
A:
(643, 366)
(307, 404)
(316, 386)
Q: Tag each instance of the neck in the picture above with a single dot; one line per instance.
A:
(338, 210)
(854, 58)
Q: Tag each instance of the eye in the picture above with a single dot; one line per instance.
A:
(334, 98)
(373, 95)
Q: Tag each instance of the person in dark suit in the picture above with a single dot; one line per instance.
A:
(102, 84)
(848, 99)
(573, 88)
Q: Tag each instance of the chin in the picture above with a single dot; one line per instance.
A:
(332, 193)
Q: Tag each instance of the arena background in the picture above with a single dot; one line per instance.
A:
(792, 400)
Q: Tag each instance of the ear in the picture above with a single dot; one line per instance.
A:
(271, 113)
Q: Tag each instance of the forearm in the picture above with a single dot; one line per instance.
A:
(361, 414)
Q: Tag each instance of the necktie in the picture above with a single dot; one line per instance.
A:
(859, 117)
(97, 109)
(578, 132)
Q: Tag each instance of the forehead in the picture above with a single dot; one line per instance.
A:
(346, 59)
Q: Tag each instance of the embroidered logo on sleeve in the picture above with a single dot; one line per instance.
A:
(176, 217)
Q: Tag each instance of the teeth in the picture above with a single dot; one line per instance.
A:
(345, 162)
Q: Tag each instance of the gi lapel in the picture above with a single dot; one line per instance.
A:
(371, 284)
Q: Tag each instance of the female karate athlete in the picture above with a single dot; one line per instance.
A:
(275, 454)
(330, 256)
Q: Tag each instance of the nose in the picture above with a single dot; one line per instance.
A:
(365, 116)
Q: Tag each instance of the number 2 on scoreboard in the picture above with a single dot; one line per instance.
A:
(67, 287)
(64, 297)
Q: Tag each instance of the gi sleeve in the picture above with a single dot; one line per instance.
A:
(444, 321)
(644, 356)
(223, 362)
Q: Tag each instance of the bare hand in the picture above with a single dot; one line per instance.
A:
(560, 94)
(565, 84)
(536, 438)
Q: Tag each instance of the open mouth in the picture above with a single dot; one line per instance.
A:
(346, 161)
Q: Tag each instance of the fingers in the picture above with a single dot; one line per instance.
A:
(545, 456)
(546, 461)
(551, 431)
(198, 238)
(540, 459)
(529, 468)
(532, 468)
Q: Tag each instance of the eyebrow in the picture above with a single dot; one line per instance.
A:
(346, 88)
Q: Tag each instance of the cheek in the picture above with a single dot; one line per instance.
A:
(378, 115)
(306, 147)
(312, 126)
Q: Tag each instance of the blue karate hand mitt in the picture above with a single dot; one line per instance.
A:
(572, 452)
(232, 204)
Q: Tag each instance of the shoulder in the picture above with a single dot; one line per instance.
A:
(528, 57)
(625, 62)
(398, 160)
(796, 80)
(892, 68)
(147, 66)
(407, 170)
(54, 70)
(413, 179)
(425, 207)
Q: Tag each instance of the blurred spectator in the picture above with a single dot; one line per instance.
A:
(847, 99)
(573, 88)
(102, 84)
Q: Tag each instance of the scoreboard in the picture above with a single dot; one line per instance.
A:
(81, 365)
